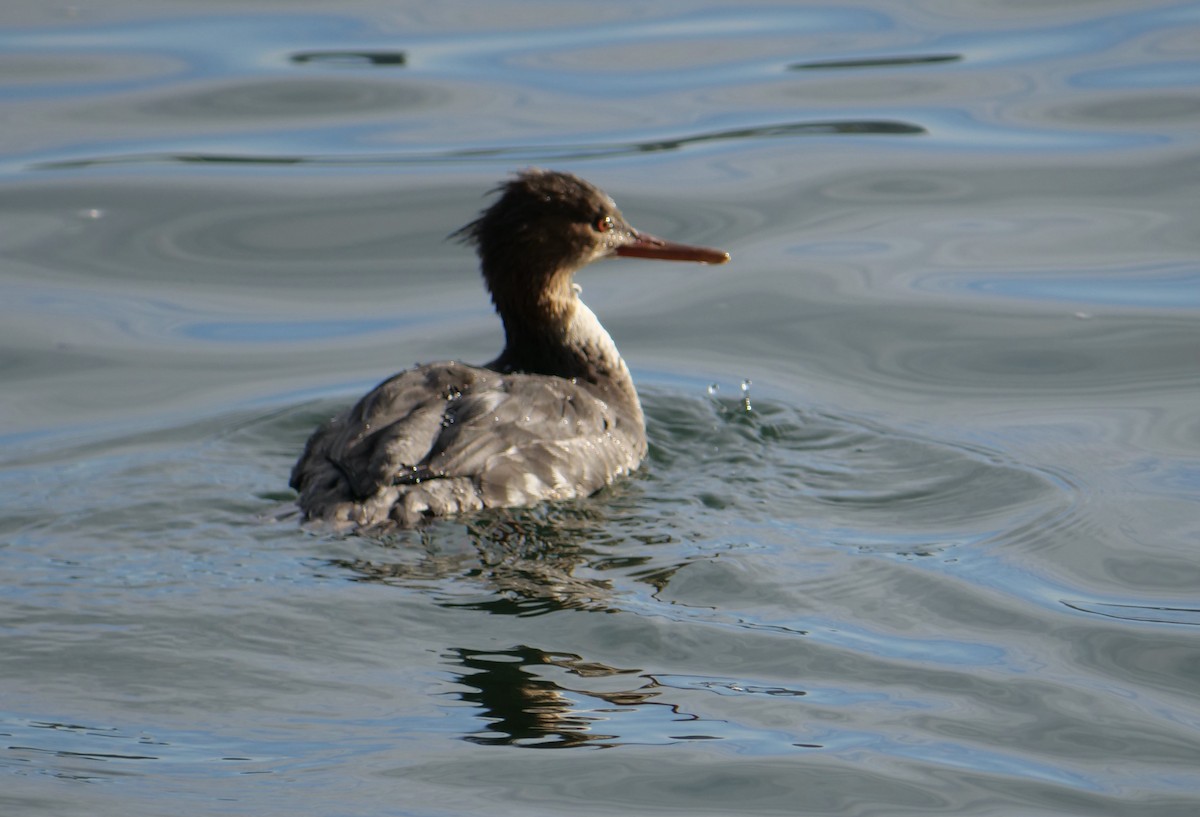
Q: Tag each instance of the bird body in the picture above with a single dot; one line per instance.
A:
(555, 416)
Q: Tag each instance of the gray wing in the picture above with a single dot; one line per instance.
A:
(446, 438)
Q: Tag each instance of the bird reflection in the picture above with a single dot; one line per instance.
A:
(525, 560)
(526, 708)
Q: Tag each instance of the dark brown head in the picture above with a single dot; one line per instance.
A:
(547, 224)
(544, 227)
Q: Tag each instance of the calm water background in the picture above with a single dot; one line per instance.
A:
(943, 560)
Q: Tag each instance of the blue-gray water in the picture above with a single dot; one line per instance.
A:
(945, 559)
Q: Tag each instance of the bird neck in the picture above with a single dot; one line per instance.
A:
(551, 331)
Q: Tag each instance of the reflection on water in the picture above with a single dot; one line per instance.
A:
(512, 562)
(875, 62)
(352, 59)
(544, 152)
(524, 708)
(1134, 612)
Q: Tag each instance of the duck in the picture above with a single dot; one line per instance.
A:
(555, 416)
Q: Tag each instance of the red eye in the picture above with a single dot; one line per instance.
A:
(604, 224)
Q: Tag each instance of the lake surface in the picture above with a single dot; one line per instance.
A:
(919, 532)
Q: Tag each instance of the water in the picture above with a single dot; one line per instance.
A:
(941, 558)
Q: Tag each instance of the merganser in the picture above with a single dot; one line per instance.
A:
(555, 416)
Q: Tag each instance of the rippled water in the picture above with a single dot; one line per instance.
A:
(940, 559)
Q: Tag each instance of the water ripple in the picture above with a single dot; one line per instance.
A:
(525, 152)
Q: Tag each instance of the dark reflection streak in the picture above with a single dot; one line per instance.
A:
(522, 708)
(878, 62)
(351, 59)
(530, 152)
(88, 755)
(533, 712)
(96, 731)
(1148, 612)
